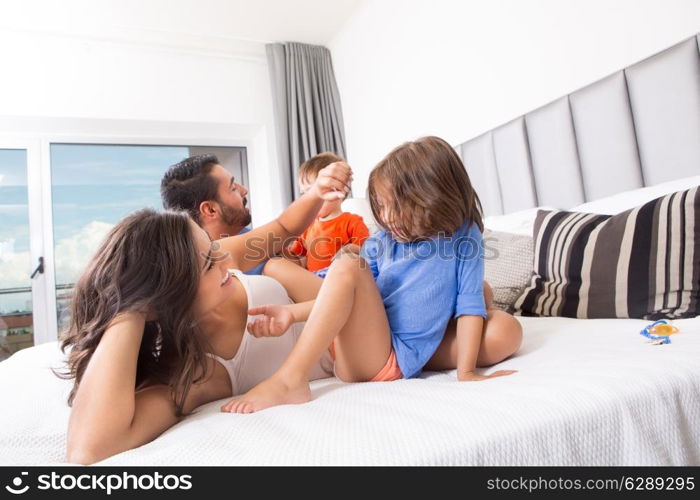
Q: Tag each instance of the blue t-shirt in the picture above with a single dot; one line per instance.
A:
(257, 269)
(423, 285)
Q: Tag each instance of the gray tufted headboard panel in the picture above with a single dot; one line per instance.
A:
(637, 127)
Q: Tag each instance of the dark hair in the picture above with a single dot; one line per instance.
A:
(428, 190)
(187, 184)
(147, 262)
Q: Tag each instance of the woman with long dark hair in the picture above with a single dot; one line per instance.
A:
(155, 309)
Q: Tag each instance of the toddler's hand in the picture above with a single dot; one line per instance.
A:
(275, 321)
(473, 377)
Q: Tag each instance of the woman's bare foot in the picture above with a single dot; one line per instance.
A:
(273, 391)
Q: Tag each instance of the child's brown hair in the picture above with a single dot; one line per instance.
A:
(427, 189)
(311, 167)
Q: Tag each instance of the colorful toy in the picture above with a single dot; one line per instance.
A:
(658, 332)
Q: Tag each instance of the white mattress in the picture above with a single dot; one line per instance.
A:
(589, 392)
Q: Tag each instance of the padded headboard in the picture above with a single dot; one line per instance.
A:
(637, 127)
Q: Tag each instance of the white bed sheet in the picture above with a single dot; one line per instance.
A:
(588, 392)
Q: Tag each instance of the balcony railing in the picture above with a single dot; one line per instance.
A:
(25, 289)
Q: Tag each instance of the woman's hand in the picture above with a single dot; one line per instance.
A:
(333, 181)
(277, 320)
(473, 377)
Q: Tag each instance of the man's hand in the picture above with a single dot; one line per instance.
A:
(333, 182)
(275, 322)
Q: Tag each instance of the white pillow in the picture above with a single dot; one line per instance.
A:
(612, 205)
(522, 221)
(360, 206)
(519, 222)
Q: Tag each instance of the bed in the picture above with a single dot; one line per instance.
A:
(587, 391)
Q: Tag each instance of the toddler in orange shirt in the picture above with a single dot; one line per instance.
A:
(331, 230)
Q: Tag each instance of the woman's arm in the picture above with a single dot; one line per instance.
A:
(256, 246)
(277, 318)
(108, 415)
(301, 311)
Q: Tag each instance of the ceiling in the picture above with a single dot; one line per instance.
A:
(205, 24)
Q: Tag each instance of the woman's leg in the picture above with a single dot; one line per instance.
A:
(501, 338)
(348, 308)
(301, 285)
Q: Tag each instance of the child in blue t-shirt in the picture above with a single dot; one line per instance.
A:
(415, 298)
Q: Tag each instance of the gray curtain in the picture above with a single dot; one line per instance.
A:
(306, 103)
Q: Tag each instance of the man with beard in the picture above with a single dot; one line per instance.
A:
(203, 188)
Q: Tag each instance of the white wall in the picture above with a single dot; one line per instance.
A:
(49, 76)
(455, 68)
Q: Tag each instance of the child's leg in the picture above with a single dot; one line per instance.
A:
(501, 338)
(301, 285)
(348, 308)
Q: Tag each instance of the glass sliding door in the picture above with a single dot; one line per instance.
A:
(16, 308)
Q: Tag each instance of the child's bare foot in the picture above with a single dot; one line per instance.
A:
(273, 391)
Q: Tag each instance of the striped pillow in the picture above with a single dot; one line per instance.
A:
(641, 263)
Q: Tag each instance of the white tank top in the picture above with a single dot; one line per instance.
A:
(258, 358)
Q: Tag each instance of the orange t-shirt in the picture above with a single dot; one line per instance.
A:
(323, 239)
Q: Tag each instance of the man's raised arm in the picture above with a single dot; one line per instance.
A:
(250, 249)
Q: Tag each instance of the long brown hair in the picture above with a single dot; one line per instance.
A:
(427, 189)
(147, 262)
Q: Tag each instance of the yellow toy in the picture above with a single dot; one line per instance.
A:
(658, 332)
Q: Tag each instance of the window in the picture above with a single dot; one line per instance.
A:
(16, 320)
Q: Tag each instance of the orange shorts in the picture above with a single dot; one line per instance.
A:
(390, 371)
